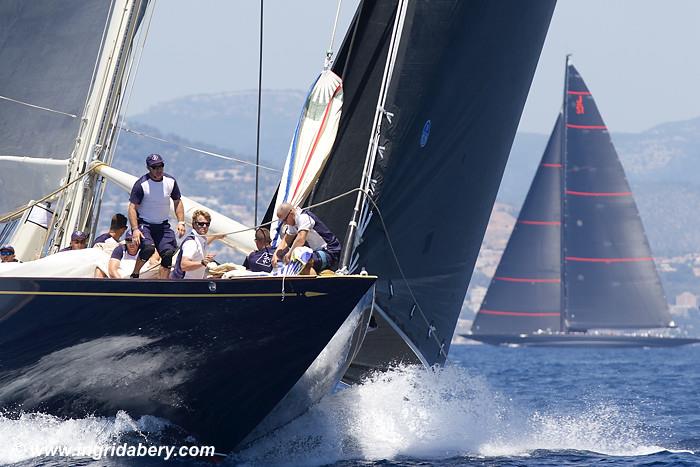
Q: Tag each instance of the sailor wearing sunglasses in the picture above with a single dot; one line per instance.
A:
(192, 260)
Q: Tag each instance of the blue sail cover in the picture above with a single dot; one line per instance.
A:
(524, 295)
(48, 51)
(609, 276)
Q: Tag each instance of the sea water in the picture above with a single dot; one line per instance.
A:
(488, 406)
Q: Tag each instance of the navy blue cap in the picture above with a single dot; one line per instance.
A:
(154, 159)
(78, 235)
(9, 248)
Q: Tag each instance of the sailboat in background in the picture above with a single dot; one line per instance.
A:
(427, 115)
(578, 267)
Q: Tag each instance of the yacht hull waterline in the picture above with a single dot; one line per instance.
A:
(213, 357)
(581, 340)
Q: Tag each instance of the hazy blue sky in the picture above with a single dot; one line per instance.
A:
(640, 58)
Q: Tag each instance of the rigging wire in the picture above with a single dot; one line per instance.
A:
(201, 151)
(329, 52)
(136, 67)
(38, 107)
(257, 132)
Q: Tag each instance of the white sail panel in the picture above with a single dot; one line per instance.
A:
(313, 139)
(27, 178)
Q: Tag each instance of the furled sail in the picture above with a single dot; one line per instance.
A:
(313, 139)
(459, 80)
(48, 52)
(610, 280)
(525, 293)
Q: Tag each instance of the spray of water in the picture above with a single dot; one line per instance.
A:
(406, 412)
(442, 413)
(32, 434)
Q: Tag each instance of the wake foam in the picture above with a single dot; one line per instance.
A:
(32, 434)
(442, 413)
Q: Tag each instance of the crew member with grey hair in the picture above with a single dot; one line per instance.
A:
(305, 228)
(149, 207)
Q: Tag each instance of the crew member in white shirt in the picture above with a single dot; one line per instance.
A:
(149, 209)
(193, 258)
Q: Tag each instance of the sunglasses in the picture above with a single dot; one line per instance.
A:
(128, 241)
(283, 220)
(202, 224)
(154, 167)
(6, 253)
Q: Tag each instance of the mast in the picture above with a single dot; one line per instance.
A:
(562, 243)
(98, 123)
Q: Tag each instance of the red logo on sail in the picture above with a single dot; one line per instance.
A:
(579, 105)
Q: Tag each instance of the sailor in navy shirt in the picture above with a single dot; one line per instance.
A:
(260, 260)
(149, 208)
(128, 251)
(117, 228)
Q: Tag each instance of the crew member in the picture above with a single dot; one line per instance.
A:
(149, 206)
(305, 228)
(128, 251)
(192, 261)
(260, 260)
(7, 254)
(116, 229)
(78, 241)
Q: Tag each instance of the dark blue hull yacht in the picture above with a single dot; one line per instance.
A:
(213, 357)
(578, 259)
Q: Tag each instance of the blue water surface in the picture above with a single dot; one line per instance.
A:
(488, 406)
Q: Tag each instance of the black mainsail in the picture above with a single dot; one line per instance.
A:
(525, 293)
(578, 258)
(448, 118)
(610, 280)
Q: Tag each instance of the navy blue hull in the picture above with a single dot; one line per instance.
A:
(581, 340)
(213, 357)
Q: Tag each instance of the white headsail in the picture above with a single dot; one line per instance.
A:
(313, 140)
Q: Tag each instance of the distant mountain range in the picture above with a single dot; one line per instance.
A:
(662, 164)
(229, 120)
